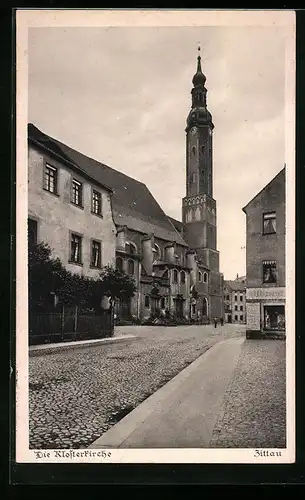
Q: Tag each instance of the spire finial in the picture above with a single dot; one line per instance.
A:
(199, 77)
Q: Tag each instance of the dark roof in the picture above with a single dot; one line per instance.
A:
(264, 188)
(133, 204)
(235, 285)
(178, 225)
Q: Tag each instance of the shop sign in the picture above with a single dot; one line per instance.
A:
(265, 293)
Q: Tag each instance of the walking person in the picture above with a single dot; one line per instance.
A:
(221, 321)
(215, 322)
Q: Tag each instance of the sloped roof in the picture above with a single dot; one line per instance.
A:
(264, 188)
(132, 202)
(236, 286)
(178, 225)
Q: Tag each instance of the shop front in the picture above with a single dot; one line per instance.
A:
(265, 312)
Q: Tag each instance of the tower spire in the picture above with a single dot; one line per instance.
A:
(199, 78)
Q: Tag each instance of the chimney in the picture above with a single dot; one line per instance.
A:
(170, 253)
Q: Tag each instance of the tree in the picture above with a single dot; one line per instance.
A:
(48, 276)
(116, 284)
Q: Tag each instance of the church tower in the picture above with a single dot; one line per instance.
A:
(199, 206)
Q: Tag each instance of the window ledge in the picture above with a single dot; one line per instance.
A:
(75, 263)
(50, 192)
(98, 268)
(76, 205)
(97, 215)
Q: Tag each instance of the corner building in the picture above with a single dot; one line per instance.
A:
(266, 233)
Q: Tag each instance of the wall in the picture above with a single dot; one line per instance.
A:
(262, 247)
(56, 216)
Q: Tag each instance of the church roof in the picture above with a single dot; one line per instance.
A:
(132, 203)
(178, 225)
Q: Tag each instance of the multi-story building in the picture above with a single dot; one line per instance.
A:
(68, 208)
(175, 264)
(235, 300)
(265, 260)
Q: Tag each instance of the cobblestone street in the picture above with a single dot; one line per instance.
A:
(254, 407)
(75, 395)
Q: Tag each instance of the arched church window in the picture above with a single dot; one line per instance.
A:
(130, 248)
(119, 263)
(156, 252)
(175, 276)
(165, 274)
(205, 277)
(199, 276)
(130, 266)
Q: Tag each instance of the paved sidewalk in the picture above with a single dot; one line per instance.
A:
(183, 413)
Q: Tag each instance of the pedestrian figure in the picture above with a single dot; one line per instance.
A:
(215, 322)
(221, 321)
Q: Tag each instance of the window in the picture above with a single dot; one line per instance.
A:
(76, 248)
(50, 179)
(199, 276)
(32, 232)
(228, 297)
(130, 248)
(241, 298)
(235, 308)
(241, 308)
(130, 266)
(236, 317)
(235, 298)
(175, 276)
(156, 252)
(77, 191)
(96, 252)
(269, 271)
(241, 318)
(96, 202)
(269, 223)
(193, 308)
(205, 277)
(182, 275)
(163, 303)
(147, 301)
(119, 263)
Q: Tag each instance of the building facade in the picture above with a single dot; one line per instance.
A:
(175, 264)
(234, 295)
(265, 260)
(68, 209)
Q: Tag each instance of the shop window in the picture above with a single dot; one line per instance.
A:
(269, 271)
(236, 317)
(241, 318)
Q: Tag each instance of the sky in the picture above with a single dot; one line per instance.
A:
(121, 95)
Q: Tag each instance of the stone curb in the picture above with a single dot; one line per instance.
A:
(40, 350)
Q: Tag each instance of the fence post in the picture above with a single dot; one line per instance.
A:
(62, 323)
(75, 321)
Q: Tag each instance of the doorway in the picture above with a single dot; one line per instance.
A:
(179, 307)
(229, 318)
